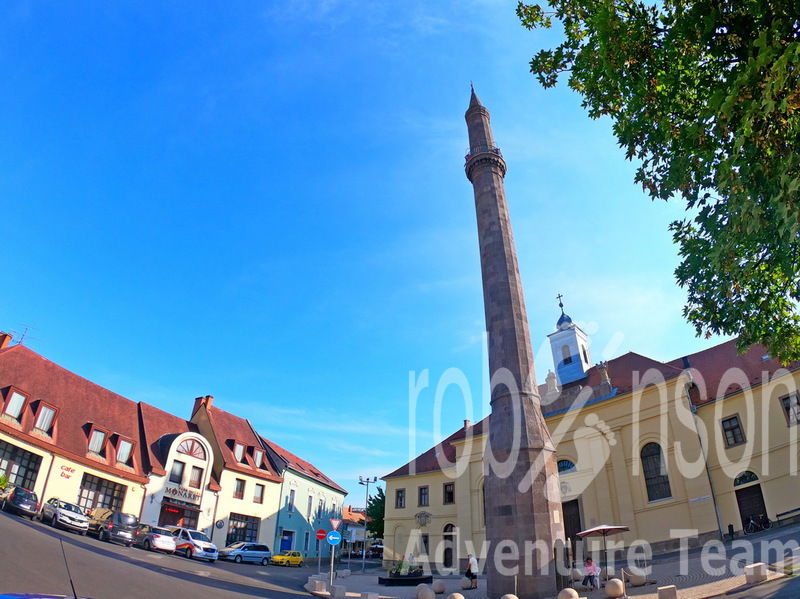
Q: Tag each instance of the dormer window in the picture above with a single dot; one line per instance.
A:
(97, 442)
(258, 457)
(124, 450)
(14, 405)
(45, 419)
(238, 452)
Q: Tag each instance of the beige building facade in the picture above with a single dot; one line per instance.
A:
(679, 451)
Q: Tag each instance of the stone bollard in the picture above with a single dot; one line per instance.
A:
(344, 573)
(317, 586)
(466, 583)
(455, 596)
(338, 591)
(568, 594)
(614, 588)
(439, 586)
(755, 573)
(670, 592)
(509, 596)
(419, 588)
(426, 593)
(366, 595)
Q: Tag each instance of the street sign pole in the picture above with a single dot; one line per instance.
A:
(334, 538)
(321, 534)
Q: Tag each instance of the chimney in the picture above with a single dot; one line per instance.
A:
(202, 401)
(5, 339)
(467, 423)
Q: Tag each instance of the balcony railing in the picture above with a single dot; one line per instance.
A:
(482, 149)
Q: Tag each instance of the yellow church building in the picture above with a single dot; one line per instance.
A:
(681, 452)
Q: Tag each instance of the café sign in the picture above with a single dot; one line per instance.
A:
(182, 493)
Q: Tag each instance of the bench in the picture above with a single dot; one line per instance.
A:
(404, 581)
(791, 513)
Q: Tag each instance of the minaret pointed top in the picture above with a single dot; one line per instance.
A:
(473, 99)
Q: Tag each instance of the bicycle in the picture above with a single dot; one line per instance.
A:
(755, 525)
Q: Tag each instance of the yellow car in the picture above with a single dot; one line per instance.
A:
(288, 558)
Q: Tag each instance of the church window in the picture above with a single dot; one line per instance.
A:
(791, 408)
(655, 472)
(565, 355)
(732, 428)
(566, 466)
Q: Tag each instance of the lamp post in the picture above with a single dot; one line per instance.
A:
(365, 481)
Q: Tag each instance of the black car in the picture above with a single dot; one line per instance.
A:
(112, 525)
(22, 501)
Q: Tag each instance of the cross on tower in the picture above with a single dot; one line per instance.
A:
(560, 304)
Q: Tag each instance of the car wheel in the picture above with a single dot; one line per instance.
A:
(265, 561)
(238, 559)
(53, 521)
(300, 564)
(83, 533)
(188, 553)
(211, 561)
(146, 545)
(128, 543)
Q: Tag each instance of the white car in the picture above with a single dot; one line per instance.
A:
(65, 514)
(193, 543)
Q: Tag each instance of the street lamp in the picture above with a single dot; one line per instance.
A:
(365, 481)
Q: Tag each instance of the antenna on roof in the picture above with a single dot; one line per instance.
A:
(21, 336)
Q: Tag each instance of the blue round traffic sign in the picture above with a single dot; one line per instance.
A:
(334, 537)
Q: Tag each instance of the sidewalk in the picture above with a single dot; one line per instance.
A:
(692, 579)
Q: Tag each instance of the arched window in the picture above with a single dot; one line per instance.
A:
(655, 472)
(744, 478)
(193, 448)
(566, 466)
(566, 357)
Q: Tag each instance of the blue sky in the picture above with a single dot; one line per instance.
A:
(266, 202)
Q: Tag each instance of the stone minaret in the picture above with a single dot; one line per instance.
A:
(522, 497)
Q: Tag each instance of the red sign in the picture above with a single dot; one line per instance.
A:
(335, 523)
(321, 534)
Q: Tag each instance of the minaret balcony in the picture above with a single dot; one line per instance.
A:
(482, 149)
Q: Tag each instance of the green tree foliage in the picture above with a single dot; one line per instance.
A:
(375, 513)
(705, 96)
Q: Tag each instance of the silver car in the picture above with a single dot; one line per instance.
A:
(154, 537)
(65, 514)
(246, 552)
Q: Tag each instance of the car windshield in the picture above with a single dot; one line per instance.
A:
(199, 536)
(161, 531)
(285, 553)
(25, 494)
(236, 545)
(129, 520)
(70, 507)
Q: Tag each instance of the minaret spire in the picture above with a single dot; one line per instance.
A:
(522, 496)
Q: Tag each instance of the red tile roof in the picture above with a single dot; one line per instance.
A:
(80, 404)
(302, 467)
(229, 430)
(710, 368)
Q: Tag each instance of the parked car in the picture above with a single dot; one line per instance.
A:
(246, 552)
(22, 501)
(155, 537)
(113, 525)
(288, 558)
(194, 543)
(65, 514)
